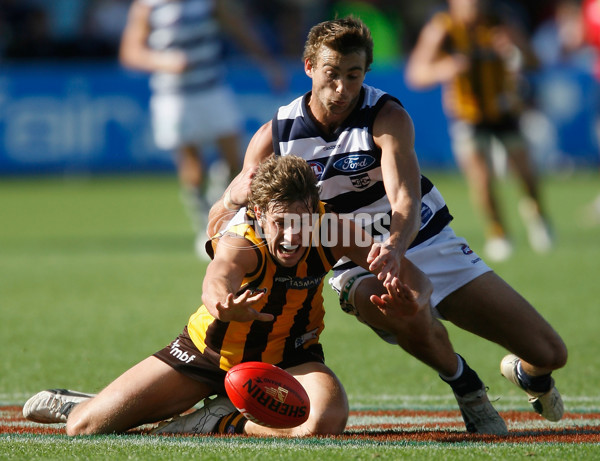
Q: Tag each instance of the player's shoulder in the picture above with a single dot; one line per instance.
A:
(392, 117)
(441, 18)
(292, 109)
(440, 22)
(377, 98)
(380, 100)
(240, 236)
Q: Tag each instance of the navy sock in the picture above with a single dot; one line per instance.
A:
(541, 383)
(467, 382)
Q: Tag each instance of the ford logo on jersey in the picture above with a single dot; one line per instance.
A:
(355, 162)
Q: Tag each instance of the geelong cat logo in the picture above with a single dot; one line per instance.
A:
(355, 162)
(360, 181)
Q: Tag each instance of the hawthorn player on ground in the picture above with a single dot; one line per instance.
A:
(263, 301)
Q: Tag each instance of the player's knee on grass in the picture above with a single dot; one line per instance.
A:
(331, 422)
(78, 426)
(329, 408)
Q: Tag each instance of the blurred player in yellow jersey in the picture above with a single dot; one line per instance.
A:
(263, 301)
(477, 58)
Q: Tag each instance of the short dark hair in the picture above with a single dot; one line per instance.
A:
(346, 35)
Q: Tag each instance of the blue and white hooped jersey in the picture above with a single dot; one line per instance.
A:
(189, 26)
(348, 165)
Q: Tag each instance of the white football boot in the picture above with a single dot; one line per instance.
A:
(479, 414)
(538, 230)
(53, 405)
(548, 404)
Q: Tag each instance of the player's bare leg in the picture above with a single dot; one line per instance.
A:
(530, 207)
(503, 316)
(148, 392)
(229, 147)
(426, 339)
(492, 309)
(419, 334)
(480, 179)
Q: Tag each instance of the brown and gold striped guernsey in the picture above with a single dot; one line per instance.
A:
(487, 91)
(293, 295)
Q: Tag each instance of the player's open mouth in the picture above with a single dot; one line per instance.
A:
(288, 249)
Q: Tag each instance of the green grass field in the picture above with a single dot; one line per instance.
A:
(98, 273)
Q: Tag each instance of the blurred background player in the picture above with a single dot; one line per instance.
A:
(179, 42)
(478, 58)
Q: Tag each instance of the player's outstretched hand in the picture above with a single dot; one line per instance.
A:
(384, 261)
(399, 300)
(240, 309)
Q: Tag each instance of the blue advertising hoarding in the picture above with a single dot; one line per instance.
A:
(93, 118)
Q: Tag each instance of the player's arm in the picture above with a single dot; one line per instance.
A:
(428, 64)
(134, 51)
(236, 194)
(234, 257)
(393, 132)
(406, 294)
(512, 44)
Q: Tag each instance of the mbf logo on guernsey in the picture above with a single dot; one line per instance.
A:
(317, 169)
(181, 355)
(356, 162)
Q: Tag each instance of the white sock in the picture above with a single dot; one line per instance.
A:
(459, 371)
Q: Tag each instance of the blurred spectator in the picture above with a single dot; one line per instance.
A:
(560, 39)
(285, 23)
(92, 28)
(36, 29)
(104, 22)
(26, 31)
(477, 56)
(383, 19)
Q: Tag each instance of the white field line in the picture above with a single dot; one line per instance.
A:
(428, 402)
(425, 401)
(419, 422)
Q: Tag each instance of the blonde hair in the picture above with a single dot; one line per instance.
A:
(281, 181)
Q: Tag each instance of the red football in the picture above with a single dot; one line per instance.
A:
(267, 395)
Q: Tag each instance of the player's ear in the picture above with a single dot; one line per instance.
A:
(258, 214)
(308, 67)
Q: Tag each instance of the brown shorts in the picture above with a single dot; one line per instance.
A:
(183, 355)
